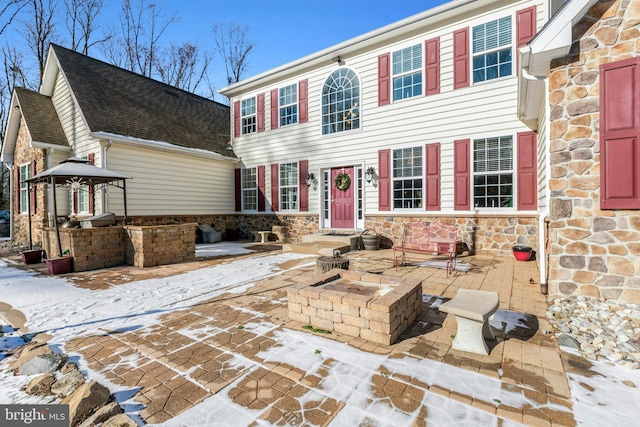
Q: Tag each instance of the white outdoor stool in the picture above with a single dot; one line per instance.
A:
(264, 236)
(472, 310)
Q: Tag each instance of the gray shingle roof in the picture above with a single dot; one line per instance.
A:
(41, 118)
(117, 101)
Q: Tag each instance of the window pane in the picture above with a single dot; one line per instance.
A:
(248, 115)
(407, 71)
(491, 60)
(493, 172)
(288, 101)
(289, 186)
(407, 178)
(341, 102)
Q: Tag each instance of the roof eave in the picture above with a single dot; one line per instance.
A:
(553, 41)
(11, 132)
(162, 146)
(371, 38)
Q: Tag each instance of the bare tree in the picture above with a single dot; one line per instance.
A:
(141, 25)
(13, 74)
(9, 11)
(183, 66)
(81, 22)
(233, 45)
(39, 29)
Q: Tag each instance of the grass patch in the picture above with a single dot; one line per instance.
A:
(316, 330)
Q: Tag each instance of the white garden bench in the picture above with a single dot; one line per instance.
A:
(472, 310)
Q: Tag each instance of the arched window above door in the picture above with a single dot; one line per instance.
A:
(341, 101)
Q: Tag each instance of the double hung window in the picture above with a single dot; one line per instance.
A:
(407, 178)
(249, 189)
(493, 172)
(492, 50)
(407, 72)
(288, 104)
(248, 115)
(288, 186)
(25, 174)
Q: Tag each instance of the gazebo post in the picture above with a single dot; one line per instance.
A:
(55, 215)
(124, 193)
(29, 215)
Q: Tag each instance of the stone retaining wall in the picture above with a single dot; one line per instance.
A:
(593, 252)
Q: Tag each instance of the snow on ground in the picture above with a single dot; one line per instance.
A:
(55, 306)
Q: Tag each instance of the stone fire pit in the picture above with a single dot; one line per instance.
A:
(370, 306)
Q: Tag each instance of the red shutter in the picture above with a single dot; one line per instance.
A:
(260, 112)
(461, 58)
(525, 25)
(236, 119)
(302, 185)
(384, 79)
(16, 189)
(261, 189)
(274, 109)
(525, 28)
(620, 134)
(432, 66)
(461, 175)
(33, 189)
(303, 101)
(275, 194)
(238, 184)
(433, 177)
(384, 180)
(527, 171)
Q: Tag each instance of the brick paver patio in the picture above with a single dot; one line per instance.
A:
(208, 350)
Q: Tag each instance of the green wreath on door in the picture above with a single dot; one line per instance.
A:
(342, 181)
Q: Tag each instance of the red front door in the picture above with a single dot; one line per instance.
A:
(342, 201)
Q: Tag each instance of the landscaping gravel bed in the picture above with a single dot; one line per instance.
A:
(600, 330)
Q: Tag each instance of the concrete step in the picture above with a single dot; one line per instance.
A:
(320, 247)
(350, 239)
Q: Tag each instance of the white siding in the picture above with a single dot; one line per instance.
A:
(481, 110)
(167, 183)
(72, 121)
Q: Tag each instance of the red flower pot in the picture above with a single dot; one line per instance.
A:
(522, 253)
(61, 265)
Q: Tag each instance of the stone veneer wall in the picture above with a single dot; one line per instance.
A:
(91, 248)
(23, 153)
(593, 252)
(480, 234)
(148, 246)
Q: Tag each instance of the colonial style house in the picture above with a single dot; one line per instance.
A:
(173, 144)
(580, 91)
(415, 120)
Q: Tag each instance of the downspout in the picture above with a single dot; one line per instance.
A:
(542, 218)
